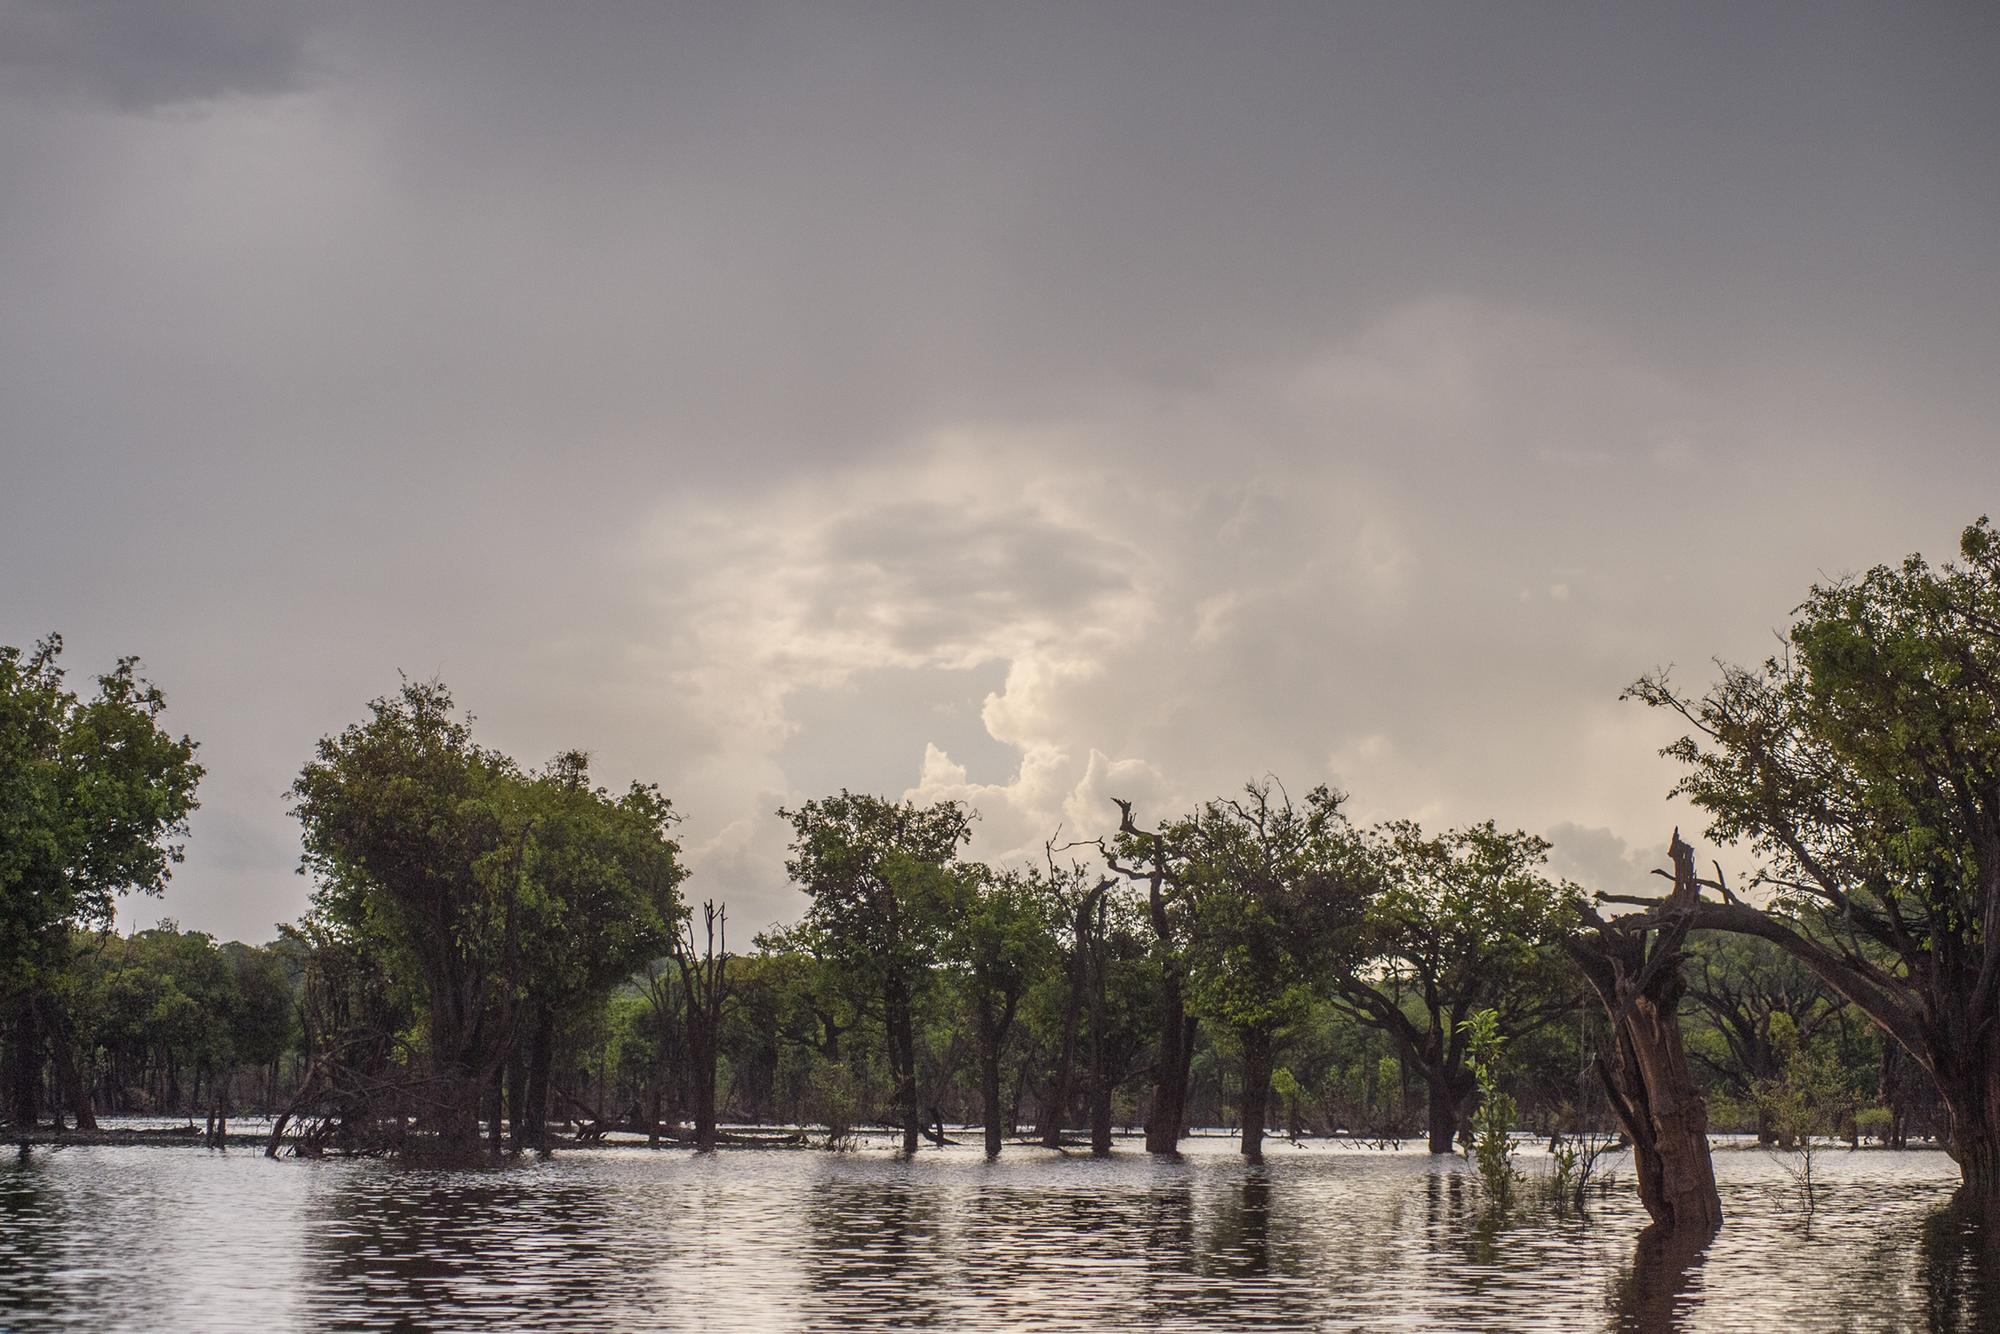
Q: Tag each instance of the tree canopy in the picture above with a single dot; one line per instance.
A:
(1863, 765)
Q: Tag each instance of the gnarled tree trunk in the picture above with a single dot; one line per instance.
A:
(1256, 1101)
(1634, 965)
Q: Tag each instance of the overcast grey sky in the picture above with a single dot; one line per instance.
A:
(1028, 403)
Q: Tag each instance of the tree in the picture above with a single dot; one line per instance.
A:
(1079, 906)
(594, 884)
(1275, 892)
(1463, 921)
(704, 975)
(1863, 765)
(1146, 856)
(1755, 999)
(873, 871)
(1633, 963)
(94, 795)
(407, 830)
(1000, 938)
(490, 890)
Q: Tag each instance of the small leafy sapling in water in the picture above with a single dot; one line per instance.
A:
(1493, 1121)
(1286, 1085)
(1576, 1155)
(1804, 1105)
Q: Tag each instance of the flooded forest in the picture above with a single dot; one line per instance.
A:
(1224, 1059)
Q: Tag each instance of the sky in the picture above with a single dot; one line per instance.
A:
(1025, 404)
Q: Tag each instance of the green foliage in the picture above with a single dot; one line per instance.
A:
(484, 889)
(884, 879)
(1463, 921)
(93, 798)
(876, 874)
(1810, 1100)
(1275, 893)
(1863, 765)
(1493, 1119)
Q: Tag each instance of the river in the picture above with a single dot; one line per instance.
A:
(1323, 1237)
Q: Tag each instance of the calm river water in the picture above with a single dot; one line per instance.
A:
(1324, 1237)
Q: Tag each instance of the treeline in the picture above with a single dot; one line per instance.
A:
(1033, 1000)
(491, 946)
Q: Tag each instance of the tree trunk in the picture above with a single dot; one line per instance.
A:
(1653, 1093)
(1441, 1111)
(1170, 1072)
(1256, 1090)
(70, 1078)
(517, 1093)
(701, 1051)
(1100, 1118)
(903, 1066)
(1636, 972)
(1060, 1087)
(25, 1058)
(496, 1106)
(535, 1107)
(1971, 1093)
(989, 1096)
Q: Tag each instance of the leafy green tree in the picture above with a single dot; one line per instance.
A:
(796, 1009)
(94, 795)
(1276, 892)
(1000, 938)
(594, 892)
(1463, 921)
(493, 891)
(874, 871)
(1863, 765)
(408, 833)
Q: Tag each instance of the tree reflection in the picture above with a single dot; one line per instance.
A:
(1242, 1240)
(870, 1242)
(31, 1227)
(1656, 1290)
(398, 1248)
(1961, 1268)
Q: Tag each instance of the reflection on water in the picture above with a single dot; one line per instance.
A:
(1326, 1237)
(1657, 1291)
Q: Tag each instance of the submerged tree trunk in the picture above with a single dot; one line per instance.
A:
(705, 987)
(517, 1095)
(1444, 1109)
(1100, 1118)
(25, 1061)
(496, 1108)
(1634, 966)
(1084, 962)
(1170, 1071)
(1256, 1090)
(989, 1097)
(1970, 1089)
(903, 1064)
(534, 1115)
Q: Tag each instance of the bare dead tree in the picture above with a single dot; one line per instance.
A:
(705, 983)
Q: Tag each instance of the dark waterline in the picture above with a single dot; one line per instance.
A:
(1327, 1237)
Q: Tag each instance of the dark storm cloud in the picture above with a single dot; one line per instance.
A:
(1080, 398)
(156, 55)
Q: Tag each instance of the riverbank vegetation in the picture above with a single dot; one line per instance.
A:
(494, 947)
